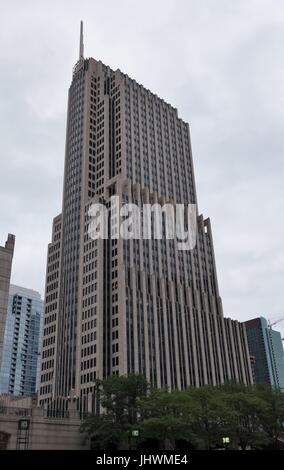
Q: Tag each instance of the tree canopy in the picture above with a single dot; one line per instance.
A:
(133, 413)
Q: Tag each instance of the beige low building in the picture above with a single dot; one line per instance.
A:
(25, 426)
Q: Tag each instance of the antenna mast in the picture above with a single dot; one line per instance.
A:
(81, 50)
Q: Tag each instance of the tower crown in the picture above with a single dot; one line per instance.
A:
(80, 61)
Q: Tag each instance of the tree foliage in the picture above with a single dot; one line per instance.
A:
(251, 416)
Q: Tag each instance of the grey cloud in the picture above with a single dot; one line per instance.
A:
(220, 62)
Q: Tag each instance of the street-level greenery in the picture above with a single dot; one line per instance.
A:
(135, 415)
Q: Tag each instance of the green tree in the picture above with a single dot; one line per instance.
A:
(243, 424)
(208, 415)
(103, 431)
(271, 415)
(163, 413)
(119, 398)
(248, 415)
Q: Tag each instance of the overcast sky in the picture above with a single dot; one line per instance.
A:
(220, 62)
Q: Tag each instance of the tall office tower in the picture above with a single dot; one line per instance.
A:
(6, 257)
(265, 346)
(21, 351)
(117, 306)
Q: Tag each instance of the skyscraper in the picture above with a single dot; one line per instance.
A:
(265, 345)
(20, 358)
(117, 306)
(6, 257)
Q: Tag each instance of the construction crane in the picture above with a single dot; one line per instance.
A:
(275, 322)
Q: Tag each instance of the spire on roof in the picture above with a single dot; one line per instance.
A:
(81, 50)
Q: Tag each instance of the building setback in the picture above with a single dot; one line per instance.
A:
(265, 345)
(130, 306)
(6, 257)
(19, 368)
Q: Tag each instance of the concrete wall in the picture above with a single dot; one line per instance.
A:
(44, 433)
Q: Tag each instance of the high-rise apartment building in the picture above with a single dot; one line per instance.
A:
(21, 350)
(6, 257)
(265, 346)
(117, 306)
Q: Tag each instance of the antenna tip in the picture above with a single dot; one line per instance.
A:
(81, 50)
